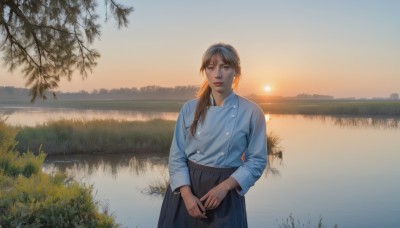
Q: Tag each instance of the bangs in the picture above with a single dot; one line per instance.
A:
(226, 52)
(226, 56)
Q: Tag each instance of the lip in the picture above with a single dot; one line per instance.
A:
(218, 83)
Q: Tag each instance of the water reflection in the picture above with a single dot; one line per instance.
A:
(85, 165)
(274, 158)
(82, 166)
(358, 122)
(275, 154)
(28, 116)
(266, 116)
(157, 187)
(347, 174)
(32, 116)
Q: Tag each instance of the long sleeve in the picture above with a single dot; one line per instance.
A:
(255, 156)
(178, 170)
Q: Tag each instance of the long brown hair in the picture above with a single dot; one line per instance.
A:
(229, 56)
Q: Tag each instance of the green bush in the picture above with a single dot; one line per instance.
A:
(7, 136)
(44, 200)
(31, 198)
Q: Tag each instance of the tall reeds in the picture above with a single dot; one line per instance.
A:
(97, 136)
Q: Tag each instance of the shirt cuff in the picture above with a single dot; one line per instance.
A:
(179, 179)
(243, 177)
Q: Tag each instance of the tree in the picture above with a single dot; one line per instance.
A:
(50, 39)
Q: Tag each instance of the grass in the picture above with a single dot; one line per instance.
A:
(158, 187)
(291, 222)
(31, 198)
(274, 153)
(104, 136)
(359, 122)
(333, 107)
(97, 136)
(272, 106)
(114, 136)
(273, 141)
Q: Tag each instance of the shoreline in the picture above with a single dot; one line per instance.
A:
(354, 108)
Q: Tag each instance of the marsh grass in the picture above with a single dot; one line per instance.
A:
(97, 136)
(273, 106)
(275, 154)
(105, 136)
(273, 141)
(333, 107)
(158, 187)
(31, 198)
(291, 222)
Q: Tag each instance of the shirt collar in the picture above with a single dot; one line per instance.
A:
(228, 101)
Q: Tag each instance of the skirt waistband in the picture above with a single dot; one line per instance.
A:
(211, 169)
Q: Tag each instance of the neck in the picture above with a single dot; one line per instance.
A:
(220, 97)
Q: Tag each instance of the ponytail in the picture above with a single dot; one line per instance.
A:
(202, 106)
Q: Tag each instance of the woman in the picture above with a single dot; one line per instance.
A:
(218, 150)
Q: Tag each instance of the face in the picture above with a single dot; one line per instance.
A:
(219, 75)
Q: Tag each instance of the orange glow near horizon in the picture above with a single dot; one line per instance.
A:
(291, 56)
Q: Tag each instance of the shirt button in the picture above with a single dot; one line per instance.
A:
(222, 153)
(234, 106)
(233, 115)
(198, 151)
(199, 133)
(227, 133)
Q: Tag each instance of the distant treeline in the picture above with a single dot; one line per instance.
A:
(180, 93)
(143, 93)
(318, 97)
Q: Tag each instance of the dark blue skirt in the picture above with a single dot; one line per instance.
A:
(230, 213)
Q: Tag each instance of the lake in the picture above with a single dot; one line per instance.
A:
(31, 116)
(345, 170)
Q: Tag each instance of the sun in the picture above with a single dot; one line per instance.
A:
(267, 88)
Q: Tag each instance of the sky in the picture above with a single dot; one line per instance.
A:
(342, 48)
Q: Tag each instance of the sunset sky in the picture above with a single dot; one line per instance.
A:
(343, 48)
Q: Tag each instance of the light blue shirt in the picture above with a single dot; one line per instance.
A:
(227, 132)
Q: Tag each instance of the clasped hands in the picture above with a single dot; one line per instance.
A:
(211, 200)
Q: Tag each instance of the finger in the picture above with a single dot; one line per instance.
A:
(193, 213)
(216, 204)
(212, 203)
(196, 213)
(199, 214)
(204, 197)
(208, 203)
(203, 209)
